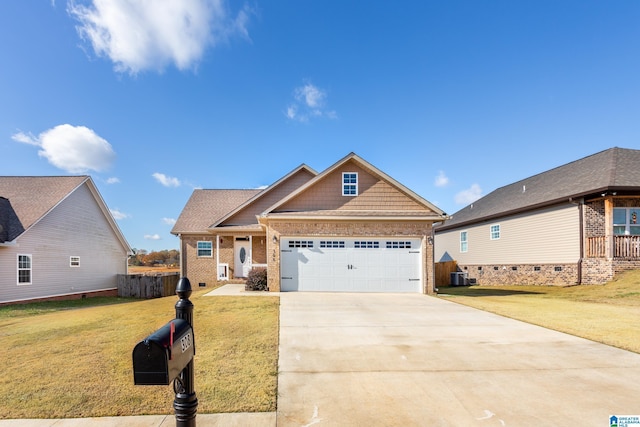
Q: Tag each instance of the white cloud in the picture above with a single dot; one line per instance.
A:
(152, 237)
(75, 149)
(149, 35)
(469, 195)
(118, 215)
(442, 180)
(167, 181)
(309, 102)
(113, 180)
(169, 221)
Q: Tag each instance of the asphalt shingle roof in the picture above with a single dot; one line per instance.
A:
(615, 169)
(206, 207)
(31, 197)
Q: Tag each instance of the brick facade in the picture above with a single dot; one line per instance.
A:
(276, 229)
(594, 222)
(602, 270)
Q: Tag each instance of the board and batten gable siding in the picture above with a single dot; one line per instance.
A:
(374, 194)
(550, 235)
(75, 227)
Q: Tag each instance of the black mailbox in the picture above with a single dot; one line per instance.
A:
(159, 358)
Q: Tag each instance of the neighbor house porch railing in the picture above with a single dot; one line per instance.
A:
(623, 247)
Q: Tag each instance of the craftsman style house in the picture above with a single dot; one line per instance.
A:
(350, 228)
(57, 239)
(575, 224)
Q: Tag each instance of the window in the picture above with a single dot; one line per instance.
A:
(398, 245)
(205, 249)
(366, 244)
(463, 241)
(332, 244)
(537, 268)
(24, 269)
(495, 232)
(74, 261)
(349, 184)
(626, 221)
(300, 243)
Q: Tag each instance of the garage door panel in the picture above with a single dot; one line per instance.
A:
(351, 265)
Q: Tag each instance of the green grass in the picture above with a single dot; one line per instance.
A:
(608, 313)
(67, 360)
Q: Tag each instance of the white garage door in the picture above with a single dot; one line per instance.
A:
(350, 265)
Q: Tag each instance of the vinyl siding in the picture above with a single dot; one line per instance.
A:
(545, 236)
(76, 227)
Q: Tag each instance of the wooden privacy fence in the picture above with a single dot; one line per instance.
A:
(443, 270)
(140, 286)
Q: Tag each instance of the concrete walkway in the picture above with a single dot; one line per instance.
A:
(415, 360)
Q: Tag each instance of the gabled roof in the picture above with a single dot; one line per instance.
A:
(206, 207)
(30, 198)
(434, 211)
(615, 169)
(256, 203)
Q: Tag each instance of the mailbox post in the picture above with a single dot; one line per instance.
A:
(186, 402)
(167, 355)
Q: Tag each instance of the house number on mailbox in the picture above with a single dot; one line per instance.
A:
(186, 342)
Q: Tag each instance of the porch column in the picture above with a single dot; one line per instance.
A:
(608, 227)
(250, 251)
(217, 257)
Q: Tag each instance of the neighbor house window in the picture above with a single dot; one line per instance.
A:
(205, 249)
(349, 184)
(463, 241)
(24, 269)
(495, 232)
(626, 221)
(74, 261)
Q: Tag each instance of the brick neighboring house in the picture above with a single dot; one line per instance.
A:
(575, 224)
(58, 239)
(350, 228)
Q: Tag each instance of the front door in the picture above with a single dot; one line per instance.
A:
(242, 264)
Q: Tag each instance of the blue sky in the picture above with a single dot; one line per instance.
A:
(451, 98)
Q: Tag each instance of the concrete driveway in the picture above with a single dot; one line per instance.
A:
(415, 360)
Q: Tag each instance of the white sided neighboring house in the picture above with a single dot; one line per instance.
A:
(57, 239)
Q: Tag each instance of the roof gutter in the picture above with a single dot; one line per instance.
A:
(353, 218)
(519, 210)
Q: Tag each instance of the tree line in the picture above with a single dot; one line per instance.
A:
(142, 257)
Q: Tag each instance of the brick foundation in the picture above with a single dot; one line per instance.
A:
(522, 274)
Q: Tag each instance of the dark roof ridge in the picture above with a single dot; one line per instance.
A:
(610, 169)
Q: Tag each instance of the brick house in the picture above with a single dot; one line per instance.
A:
(349, 228)
(575, 224)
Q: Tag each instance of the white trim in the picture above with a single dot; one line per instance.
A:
(350, 184)
(499, 232)
(198, 249)
(218, 259)
(18, 269)
(466, 241)
(224, 275)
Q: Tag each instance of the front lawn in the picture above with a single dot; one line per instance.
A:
(608, 313)
(61, 362)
